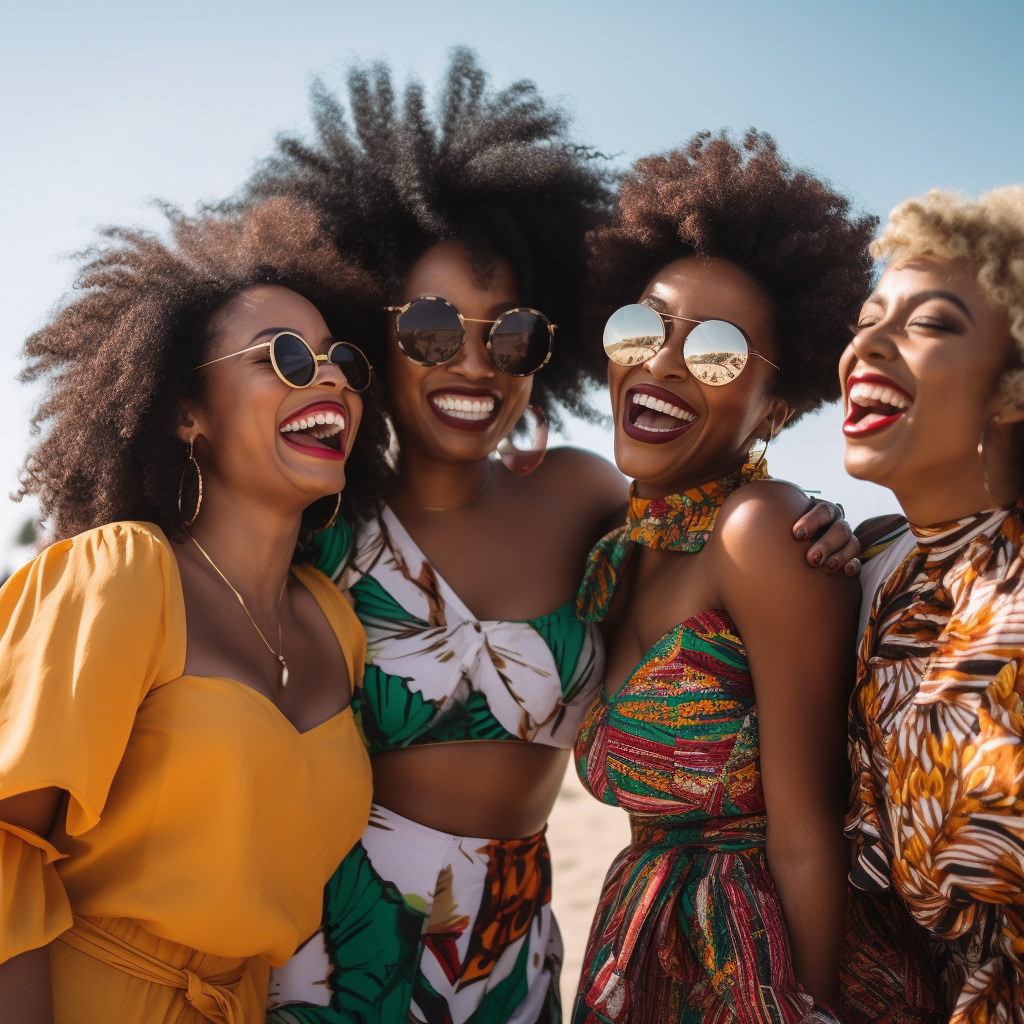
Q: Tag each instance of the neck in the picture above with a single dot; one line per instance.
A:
(940, 497)
(429, 482)
(251, 542)
(659, 489)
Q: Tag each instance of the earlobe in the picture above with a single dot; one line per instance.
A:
(187, 427)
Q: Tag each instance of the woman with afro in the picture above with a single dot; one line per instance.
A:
(473, 221)
(730, 279)
(175, 677)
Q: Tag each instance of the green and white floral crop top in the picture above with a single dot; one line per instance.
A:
(437, 674)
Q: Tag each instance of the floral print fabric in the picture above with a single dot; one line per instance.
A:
(937, 815)
(421, 926)
(435, 673)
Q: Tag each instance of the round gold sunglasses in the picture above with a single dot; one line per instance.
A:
(715, 351)
(298, 365)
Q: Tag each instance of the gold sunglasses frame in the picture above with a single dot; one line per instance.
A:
(399, 310)
(691, 320)
(317, 360)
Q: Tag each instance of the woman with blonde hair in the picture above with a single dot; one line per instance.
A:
(933, 384)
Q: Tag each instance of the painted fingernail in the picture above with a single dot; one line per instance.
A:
(851, 569)
(816, 558)
(801, 533)
(832, 563)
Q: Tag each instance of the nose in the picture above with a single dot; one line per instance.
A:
(472, 361)
(668, 362)
(329, 375)
(875, 344)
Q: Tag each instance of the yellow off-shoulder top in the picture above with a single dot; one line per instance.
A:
(197, 812)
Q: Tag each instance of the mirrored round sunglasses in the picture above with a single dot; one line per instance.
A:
(715, 351)
(298, 365)
(431, 331)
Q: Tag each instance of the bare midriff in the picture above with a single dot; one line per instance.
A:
(492, 789)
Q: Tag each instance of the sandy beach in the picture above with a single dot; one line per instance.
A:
(584, 837)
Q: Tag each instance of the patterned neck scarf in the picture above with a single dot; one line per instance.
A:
(679, 522)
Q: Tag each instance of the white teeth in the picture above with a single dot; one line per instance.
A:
(464, 408)
(660, 405)
(331, 422)
(866, 394)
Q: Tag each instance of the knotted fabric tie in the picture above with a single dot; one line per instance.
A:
(214, 997)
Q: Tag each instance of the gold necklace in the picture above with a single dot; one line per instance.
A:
(448, 508)
(280, 657)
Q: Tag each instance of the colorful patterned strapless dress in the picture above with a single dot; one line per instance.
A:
(689, 927)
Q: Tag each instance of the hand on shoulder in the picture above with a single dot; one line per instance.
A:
(755, 547)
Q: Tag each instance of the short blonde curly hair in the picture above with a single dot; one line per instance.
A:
(987, 232)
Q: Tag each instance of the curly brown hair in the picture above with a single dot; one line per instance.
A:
(117, 360)
(741, 202)
(496, 170)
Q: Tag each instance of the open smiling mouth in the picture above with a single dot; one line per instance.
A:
(464, 408)
(654, 415)
(873, 402)
(317, 430)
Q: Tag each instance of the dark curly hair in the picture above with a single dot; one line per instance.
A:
(497, 171)
(741, 202)
(117, 361)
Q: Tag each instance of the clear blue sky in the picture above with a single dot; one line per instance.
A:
(107, 104)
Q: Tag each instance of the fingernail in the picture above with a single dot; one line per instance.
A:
(816, 558)
(832, 563)
(850, 568)
(801, 533)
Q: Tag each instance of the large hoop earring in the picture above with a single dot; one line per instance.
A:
(199, 481)
(525, 460)
(334, 515)
(982, 455)
(764, 451)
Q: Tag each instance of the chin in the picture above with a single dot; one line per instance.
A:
(866, 464)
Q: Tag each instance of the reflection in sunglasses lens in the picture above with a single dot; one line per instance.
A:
(430, 332)
(520, 342)
(633, 335)
(294, 360)
(352, 364)
(715, 352)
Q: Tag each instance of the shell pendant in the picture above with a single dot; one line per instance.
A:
(284, 671)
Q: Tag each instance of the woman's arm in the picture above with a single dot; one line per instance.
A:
(25, 978)
(25, 988)
(798, 627)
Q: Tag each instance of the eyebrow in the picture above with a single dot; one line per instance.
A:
(938, 293)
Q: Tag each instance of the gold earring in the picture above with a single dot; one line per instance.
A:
(764, 450)
(181, 485)
(984, 459)
(334, 515)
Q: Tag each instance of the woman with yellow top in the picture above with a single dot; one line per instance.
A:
(174, 681)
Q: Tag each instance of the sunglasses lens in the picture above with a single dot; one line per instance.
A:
(633, 334)
(294, 360)
(352, 363)
(430, 332)
(715, 352)
(520, 342)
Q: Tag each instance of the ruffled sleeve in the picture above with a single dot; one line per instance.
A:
(86, 630)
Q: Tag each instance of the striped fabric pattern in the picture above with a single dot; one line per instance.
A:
(689, 928)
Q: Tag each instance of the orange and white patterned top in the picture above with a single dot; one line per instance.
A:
(937, 749)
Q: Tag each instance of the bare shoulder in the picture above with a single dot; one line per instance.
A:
(759, 510)
(583, 476)
(757, 551)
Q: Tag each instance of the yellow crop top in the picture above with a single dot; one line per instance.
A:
(196, 809)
